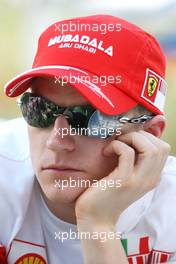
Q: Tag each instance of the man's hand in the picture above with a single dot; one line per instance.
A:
(141, 158)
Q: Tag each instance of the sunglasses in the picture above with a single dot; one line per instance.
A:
(41, 113)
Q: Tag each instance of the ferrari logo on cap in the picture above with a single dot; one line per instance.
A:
(152, 84)
(31, 259)
(154, 89)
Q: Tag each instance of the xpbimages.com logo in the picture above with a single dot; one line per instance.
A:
(102, 184)
(102, 28)
(102, 236)
(102, 80)
(101, 132)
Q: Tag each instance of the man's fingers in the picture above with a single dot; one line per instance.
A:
(140, 154)
(140, 143)
(126, 157)
(151, 156)
(162, 145)
(158, 150)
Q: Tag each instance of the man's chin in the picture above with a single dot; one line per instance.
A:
(67, 195)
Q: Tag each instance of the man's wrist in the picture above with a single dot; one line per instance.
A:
(95, 227)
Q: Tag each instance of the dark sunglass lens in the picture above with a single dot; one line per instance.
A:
(37, 111)
(40, 112)
(79, 120)
(80, 117)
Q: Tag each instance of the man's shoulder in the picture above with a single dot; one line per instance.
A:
(16, 176)
(160, 216)
(168, 177)
(153, 215)
(170, 166)
(165, 191)
(16, 168)
(14, 143)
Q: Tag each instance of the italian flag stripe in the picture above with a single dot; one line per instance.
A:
(125, 245)
(144, 245)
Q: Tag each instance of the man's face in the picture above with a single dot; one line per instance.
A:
(79, 157)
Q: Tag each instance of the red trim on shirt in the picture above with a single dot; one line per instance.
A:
(30, 243)
(3, 256)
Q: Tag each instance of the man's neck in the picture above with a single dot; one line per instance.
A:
(62, 211)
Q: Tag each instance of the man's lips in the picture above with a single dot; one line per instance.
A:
(60, 168)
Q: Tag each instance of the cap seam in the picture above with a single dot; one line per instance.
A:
(144, 48)
(144, 102)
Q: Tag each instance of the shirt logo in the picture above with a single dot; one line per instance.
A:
(26, 252)
(31, 258)
(144, 253)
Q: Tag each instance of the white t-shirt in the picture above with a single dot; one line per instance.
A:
(27, 227)
(62, 246)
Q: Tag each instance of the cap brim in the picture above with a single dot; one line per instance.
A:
(106, 97)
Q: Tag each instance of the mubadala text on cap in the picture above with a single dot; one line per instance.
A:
(83, 40)
(77, 46)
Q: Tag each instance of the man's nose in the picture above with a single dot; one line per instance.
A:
(60, 138)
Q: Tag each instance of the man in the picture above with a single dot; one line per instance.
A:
(95, 184)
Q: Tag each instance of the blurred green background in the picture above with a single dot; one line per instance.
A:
(21, 22)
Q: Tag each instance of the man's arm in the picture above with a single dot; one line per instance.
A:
(96, 251)
(141, 158)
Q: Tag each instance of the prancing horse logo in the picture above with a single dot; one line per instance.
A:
(152, 84)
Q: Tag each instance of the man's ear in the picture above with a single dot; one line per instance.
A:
(156, 125)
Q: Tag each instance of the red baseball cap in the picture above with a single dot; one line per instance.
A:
(114, 64)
